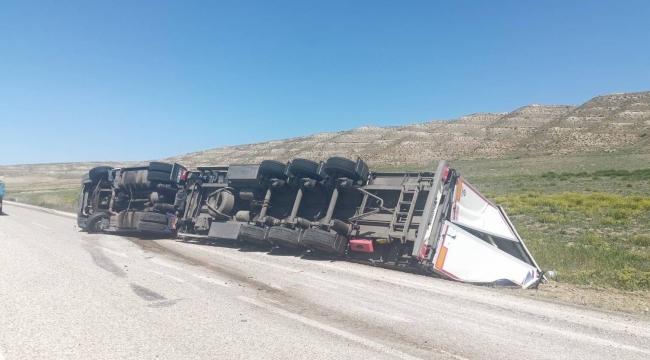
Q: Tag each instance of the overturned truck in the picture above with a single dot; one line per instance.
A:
(141, 200)
(432, 222)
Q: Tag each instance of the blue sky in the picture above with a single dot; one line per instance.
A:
(133, 80)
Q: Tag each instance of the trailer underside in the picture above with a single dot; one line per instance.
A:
(432, 222)
(426, 222)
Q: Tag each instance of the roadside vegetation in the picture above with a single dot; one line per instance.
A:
(60, 199)
(593, 228)
(596, 239)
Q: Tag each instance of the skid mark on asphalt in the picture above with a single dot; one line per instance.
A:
(295, 303)
(146, 294)
(234, 275)
(162, 304)
(523, 307)
(101, 260)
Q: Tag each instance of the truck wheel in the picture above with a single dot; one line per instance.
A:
(305, 168)
(160, 166)
(94, 224)
(99, 173)
(324, 241)
(159, 176)
(339, 166)
(253, 235)
(133, 178)
(273, 169)
(221, 204)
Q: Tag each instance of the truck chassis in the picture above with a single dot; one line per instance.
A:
(429, 222)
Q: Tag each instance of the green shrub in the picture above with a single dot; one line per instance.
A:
(590, 238)
(641, 240)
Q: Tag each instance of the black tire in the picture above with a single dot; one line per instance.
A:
(284, 237)
(221, 204)
(99, 173)
(253, 235)
(159, 176)
(273, 169)
(324, 241)
(82, 222)
(339, 166)
(304, 168)
(153, 217)
(94, 222)
(161, 166)
(134, 178)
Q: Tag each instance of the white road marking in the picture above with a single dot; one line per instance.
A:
(41, 226)
(336, 331)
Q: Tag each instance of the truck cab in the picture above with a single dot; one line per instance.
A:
(140, 199)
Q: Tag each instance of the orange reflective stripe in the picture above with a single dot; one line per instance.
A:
(459, 189)
(440, 261)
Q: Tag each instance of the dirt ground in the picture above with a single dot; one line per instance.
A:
(631, 302)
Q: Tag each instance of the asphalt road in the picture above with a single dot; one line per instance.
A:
(67, 294)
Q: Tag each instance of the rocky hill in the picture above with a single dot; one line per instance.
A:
(602, 133)
(610, 123)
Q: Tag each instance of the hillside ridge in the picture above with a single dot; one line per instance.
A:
(605, 123)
